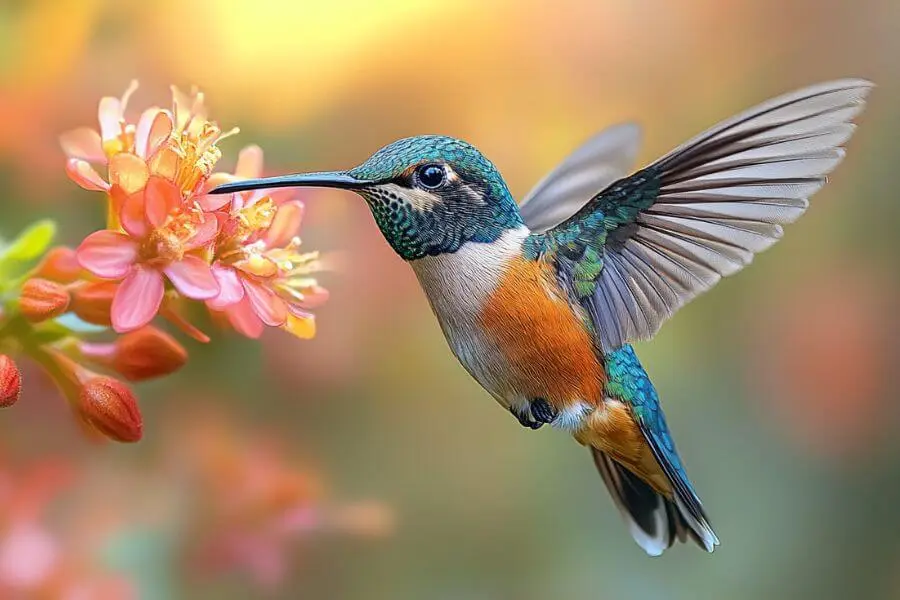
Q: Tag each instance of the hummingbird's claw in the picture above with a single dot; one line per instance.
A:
(542, 411)
(525, 420)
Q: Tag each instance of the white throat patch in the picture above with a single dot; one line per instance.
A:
(457, 286)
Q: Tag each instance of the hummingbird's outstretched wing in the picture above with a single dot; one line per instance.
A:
(651, 242)
(602, 159)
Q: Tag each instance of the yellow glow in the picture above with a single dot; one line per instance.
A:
(288, 59)
(51, 35)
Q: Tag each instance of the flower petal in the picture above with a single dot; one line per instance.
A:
(267, 306)
(205, 232)
(166, 161)
(230, 289)
(193, 278)
(161, 198)
(213, 202)
(128, 172)
(107, 254)
(137, 300)
(244, 320)
(181, 104)
(303, 327)
(110, 116)
(285, 224)
(313, 296)
(154, 127)
(84, 175)
(215, 180)
(132, 214)
(83, 143)
(250, 162)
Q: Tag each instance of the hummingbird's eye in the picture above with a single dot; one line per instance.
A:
(431, 176)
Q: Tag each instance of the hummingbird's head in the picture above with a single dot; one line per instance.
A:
(429, 194)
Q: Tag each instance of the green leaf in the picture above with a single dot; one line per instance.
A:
(17, 257)
(31, 243)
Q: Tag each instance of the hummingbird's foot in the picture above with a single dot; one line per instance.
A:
(525, 420)
(542, 411)
(538, 413)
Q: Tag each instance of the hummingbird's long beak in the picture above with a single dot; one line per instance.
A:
(332, 179)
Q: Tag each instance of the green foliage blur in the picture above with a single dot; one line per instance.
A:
(781, 385)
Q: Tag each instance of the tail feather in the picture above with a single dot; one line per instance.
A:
(655, 522)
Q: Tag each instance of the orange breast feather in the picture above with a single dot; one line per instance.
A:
(549, 352)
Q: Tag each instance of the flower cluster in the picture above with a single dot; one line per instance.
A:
(167, 243)
(237, 253)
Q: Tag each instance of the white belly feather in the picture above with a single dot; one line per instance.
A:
(457, 286)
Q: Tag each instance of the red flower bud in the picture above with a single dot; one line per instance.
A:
(138, 355)
(92, 301)
(10, 381)
(148, 353)
(42, 299)
(109, 406)
(61, 265)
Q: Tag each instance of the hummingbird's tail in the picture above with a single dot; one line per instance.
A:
(655, 522)
(650, 486)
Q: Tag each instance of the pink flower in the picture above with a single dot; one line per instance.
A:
(238, 253)
(263, 278)
(86, 146)
(160, 239)
(249, 166)
(177, 144)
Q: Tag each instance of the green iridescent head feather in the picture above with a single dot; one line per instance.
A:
(474, 205)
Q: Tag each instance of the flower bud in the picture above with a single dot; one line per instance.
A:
(148, 353)
(109, 406)
(61, 265)
(138, 355)
(92, 301)
(10, 381)
(42, 299)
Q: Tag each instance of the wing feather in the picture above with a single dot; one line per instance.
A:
(703, 210)
(602, 159)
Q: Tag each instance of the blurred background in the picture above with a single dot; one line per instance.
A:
(390, 473)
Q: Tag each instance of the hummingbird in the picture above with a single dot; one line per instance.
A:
(541, 301)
